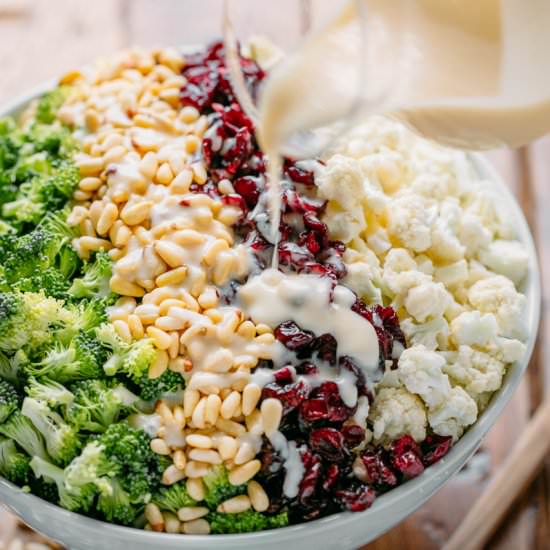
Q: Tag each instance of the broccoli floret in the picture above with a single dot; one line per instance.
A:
(56, 140)
(22, 431)
(14, 465)
(82, 359)
(116, 505)
(97, 405)
(95, 280)
(152, 388)
(218, 488)
(12, 369)
(49, 104)
(173, 498)
(9, 400)
(244, 522)
(27, 319)
(49, 391)
(62, 440)
(72, 498)
(133, 359)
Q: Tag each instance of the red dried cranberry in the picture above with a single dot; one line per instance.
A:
(292, 336)
(406, 457)
(313, 470)
(347, 363)
(284, 376)
(290, 395)
(331, 477)
(435, 447)
(353, 435)
(311, 221)
(310, 240)
(328, 442)
(379, 472)
(313, 410)
(249, 188)
(301, 204)
(326, 348)
(293, 255)
(307, 368)
(358, 499)
(299, 175)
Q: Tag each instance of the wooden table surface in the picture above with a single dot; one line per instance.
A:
(39, 39)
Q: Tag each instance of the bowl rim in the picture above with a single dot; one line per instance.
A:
(393, 501)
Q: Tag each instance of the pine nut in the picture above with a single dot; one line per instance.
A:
(199, 441)
(159, 447)
(114, 155)
(107, 219)
(263, 329)
(228, 447)
(148, 165)
(219, 361)
(258, 497)
(93, 244)
(125, 288)
(208, 298)
(254, 422)
(172, 475)
(90, 184)
(199, 173)
(154, 516)
(213, 251)
(265, 339)
(77, 215)
(161, 339)
(170, 252)
(200, 126)
(164, 174)
(244, 473)
(123, 330)
(190, 401)
(181, 183)
(225, 187)
(230, 405)
(188, 237)
(136, 327)
(134, 214)
(147, 313)
(195, 489)
(172, 277)
(121, 235)
(235, 505)
(189, 114)
(165, 412)
(169, 303)
(89, 166)
(272, 412)
(245, 453)
(159, 365)
(170, 323)
(229, 427)
(180, 460)
(196, 527)
(192, 144)
(171, 523)
(208, 456)
(179, 416)
(189, 513)
(196, 469)
(174, 348)
(251, 396)
(199, 414)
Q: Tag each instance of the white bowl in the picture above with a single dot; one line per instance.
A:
(344, 530)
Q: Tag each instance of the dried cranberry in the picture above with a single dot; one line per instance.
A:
(284, 376)
(353, 435)
(313, 470)
(300, 204)
(290, 395)
(299, 175)
(379, 472)
(292, 336)
(307, 368)
(434, 448)
(310, 240)
(328, 442)
(293, 255)
(357, 499)
(313, 410)
(331, 477)
(406, 457)
(326, 348)
(347, 363)
(249, 188)
(311, 221)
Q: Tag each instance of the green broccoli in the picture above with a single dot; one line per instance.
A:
(62, 440)
(97, 405)
(50, 103)
(54, 139)
(95, 280)
(150, 389)
(116, 506)
(218, 488)
(14, 465)
(72, 498)
(173, 498)
(244, 522)
(9, 400)
(82, 359)
(49, 391)
(12, 369)
(22, 431)
(132, 360)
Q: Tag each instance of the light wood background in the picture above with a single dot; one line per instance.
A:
(39, 39)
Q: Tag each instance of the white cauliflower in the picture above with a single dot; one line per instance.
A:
(473, 234)
(454, 414)
(445, 244)
(379, 241)
(452, 274)
(421, 372)
(388, 168)
(475, 371)
(360, 278)
(508, 258)
(472, 328)
(400, 272)
(396, 412)
(432, 335)
(344, 225)
(410, 219)
(428, 300)
(507, 350)
(498, 295)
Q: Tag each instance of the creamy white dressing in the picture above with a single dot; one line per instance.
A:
(293, 465)
(149, 423)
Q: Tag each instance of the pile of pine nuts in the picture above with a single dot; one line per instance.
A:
(172, 250)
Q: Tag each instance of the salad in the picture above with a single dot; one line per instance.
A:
(156, 371)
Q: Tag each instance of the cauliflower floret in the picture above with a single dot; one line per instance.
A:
(508, 258)
(489, 206)
(454, 414)
(473, 234)
(427, 300)
(436, 186)
(344, 225)
(410, 219)
(379, 241)
(401, 272)
(421, 372)
(445, 244)
(472, 328)
(432, 335)
(360, 278)
(507, 350)
(498, 295)
(396, 412)
(477, 372)
(452, 274)
(424, 264)
(388, 168)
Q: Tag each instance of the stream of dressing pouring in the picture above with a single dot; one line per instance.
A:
(466, 73)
